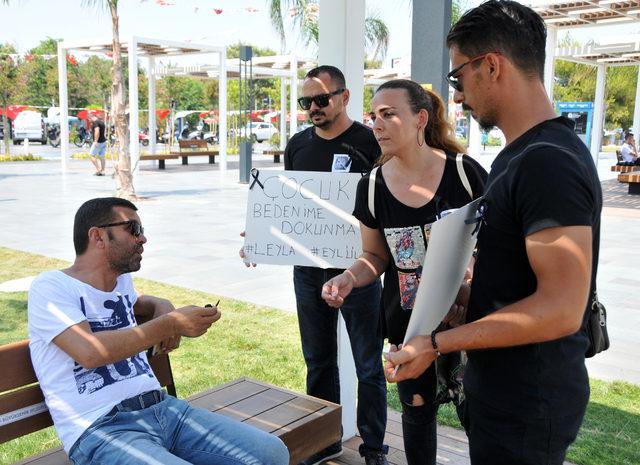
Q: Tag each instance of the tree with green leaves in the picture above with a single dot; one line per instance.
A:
(304, 16)
(7, 85)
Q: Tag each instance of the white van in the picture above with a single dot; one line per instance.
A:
(29, 125)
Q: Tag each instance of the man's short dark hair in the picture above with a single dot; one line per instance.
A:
(504, 26)
(336, 75)
(94, 212)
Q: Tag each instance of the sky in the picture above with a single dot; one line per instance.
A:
(26, 22)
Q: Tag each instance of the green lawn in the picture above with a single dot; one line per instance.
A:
(263, 343)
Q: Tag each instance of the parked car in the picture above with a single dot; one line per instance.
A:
(29, 125)
(261, 131)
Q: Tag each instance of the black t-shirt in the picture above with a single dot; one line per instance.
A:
(353, 151)
(406, 233)
(100, 125)
(543, 188)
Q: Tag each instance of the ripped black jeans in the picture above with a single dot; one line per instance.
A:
(419, 428)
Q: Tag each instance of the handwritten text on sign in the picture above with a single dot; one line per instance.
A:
(303, 218)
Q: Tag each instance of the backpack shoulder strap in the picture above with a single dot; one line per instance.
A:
(372, 191)
(463, 175)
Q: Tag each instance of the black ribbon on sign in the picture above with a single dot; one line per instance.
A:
(479, 218)
(255, 174)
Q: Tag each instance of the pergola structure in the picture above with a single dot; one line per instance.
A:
(285, 67)
(590, 13)
(151, 49)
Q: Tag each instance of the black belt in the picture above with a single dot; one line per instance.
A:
(139, 402)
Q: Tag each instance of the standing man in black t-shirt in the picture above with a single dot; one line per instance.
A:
(336, 143)
(99, 147)
(526, 382)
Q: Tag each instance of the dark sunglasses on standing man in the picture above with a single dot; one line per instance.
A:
(133, 226)
(453, 77)
(322, 100)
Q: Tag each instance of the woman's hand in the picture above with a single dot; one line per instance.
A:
(337, 289)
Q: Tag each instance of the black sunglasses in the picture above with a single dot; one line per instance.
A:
(133, 226)
(452, 76)
(322, 100)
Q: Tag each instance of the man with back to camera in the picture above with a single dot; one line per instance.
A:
(628, 149)
(526, 382)
(335, 143)
(98, 149)
(89, 356)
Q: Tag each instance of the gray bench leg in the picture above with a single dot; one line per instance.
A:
(634, 188)
(212, 159)
(276, 158)
(185, 160)
(160, 164)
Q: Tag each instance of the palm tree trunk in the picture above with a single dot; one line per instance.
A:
(124, 177)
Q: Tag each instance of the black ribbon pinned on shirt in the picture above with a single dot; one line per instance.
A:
(255, 174)
(480, 217)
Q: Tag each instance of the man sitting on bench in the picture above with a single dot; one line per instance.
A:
(628, 151)
(89, 356)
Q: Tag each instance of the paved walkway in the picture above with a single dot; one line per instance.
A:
(193, 215)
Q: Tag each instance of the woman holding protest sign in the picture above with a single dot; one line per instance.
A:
(420, 175)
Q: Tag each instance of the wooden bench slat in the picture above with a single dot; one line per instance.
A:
(215, 399)
(15, 361)
(55, 456)
(285, 414)
(255, 405)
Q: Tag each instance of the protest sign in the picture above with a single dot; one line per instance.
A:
(302, 218)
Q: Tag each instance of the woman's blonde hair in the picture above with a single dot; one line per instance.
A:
(438, 133)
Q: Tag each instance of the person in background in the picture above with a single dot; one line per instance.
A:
(628, 150)
(98, 149)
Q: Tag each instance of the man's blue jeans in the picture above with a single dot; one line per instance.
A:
(172, 432)
(318, 331)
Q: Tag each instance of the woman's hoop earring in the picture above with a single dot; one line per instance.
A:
(420, 130)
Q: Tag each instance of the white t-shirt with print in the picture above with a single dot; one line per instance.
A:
(77, 396)
(628, 153)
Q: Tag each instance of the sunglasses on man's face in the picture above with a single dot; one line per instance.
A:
(322, 100)
(453, 77)
(133, 226)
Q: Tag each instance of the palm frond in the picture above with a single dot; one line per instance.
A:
(99, 4)
(376, 35)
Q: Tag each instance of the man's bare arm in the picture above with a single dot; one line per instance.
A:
(92, 350)
(561, 260)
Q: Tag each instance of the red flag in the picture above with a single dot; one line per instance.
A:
(217, 11)
(251, 9)
(71, 60)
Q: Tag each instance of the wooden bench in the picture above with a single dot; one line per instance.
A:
(305, 424)
(276, 154)
(161, 157)
(624, 168)
(195, 148)
(633, 178)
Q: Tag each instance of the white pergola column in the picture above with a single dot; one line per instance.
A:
(475, 139)
(134, 147)
(222, 110)
(64, 106)
(283, 112)
(549, 64)
(151, 121)
(341, 25)
(293, 102)
(598, 114)
(636, 110)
